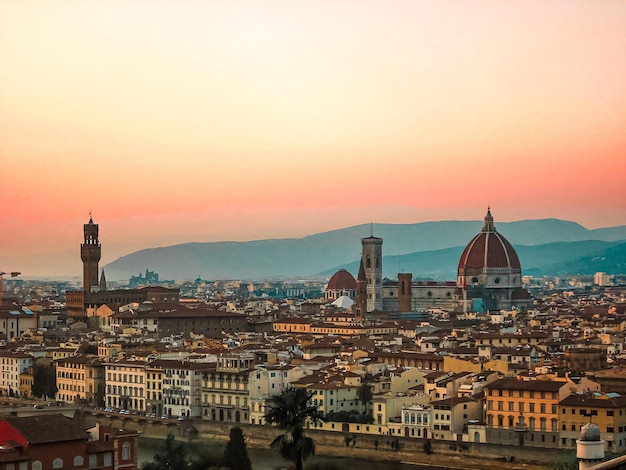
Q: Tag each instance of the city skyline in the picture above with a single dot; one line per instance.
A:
(176, 123)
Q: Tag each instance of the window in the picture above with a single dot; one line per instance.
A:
(57, 463)
(108, 459)
(36, 465)
(78, 461)
(93, 460)
(126, 451)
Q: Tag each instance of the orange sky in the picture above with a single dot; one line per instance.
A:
(179, 121)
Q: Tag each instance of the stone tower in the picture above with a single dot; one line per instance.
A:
(405, 292)
(90, 253)
(589, 448)
(372, 259)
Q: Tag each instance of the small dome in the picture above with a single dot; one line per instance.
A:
(487, 250)
(341, 280)
(590, 432)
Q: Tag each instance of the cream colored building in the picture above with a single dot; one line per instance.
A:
(225, 392)
(126, 384)
(12, 365)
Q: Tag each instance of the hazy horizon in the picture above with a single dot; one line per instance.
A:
(69, 261)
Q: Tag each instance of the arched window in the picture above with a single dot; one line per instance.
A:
(36, 465)
(78, 461)
(57, 463)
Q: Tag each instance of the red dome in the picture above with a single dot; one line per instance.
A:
(488, 249)
(342, 280)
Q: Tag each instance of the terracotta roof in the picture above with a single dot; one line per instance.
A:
(509, 383)
(589, 399)
(47, 428)
(489, 249)
(341, 280)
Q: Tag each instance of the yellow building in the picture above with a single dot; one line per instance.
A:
(292, 325)
(26, 383)
(524, 412)
(80, 379)
(606, 410)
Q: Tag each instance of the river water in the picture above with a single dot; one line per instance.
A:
(267, 459)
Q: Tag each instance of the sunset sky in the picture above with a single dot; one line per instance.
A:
(176, 121)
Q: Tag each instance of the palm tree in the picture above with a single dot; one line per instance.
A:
(289, 411)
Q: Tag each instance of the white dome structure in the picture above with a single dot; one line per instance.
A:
(590, 447)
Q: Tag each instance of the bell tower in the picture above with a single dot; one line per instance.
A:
(90, 253)
(372, 259)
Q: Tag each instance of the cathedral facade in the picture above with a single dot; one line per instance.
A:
(489, 278)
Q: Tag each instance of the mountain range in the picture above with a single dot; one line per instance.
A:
(430, 250)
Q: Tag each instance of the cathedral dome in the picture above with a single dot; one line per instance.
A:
(488, 250)
(342, 280)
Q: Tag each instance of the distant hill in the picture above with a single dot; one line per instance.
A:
(434, 244)
(559, 258)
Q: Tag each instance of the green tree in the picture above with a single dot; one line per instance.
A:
(364, 394)
(171, 456)
(428, 447)
(289, 411)
(235, 453)
(44, 381)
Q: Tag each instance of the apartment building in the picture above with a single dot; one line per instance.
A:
(266, 380)
(126, 384)
(225, 393)
(181, 386)
(154, 389)
(524, 412)
(12, 365)
(450, 417)
(606, 410)
(80, 379)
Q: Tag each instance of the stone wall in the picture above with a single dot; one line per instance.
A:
(447, 453)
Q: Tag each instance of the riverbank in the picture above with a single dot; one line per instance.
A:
(369, 449)
(267, 459)
(361, 447)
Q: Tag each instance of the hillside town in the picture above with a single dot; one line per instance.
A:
(492, 357)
